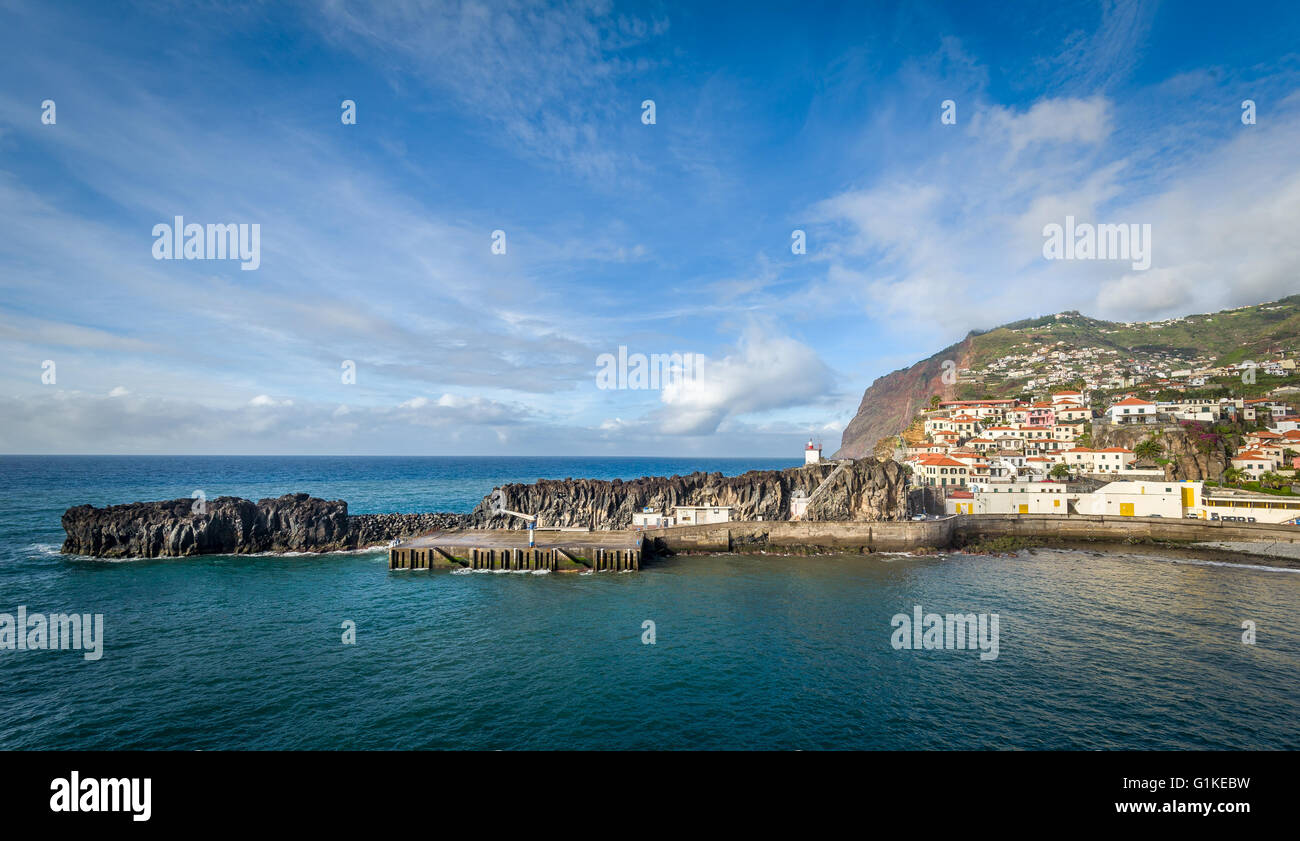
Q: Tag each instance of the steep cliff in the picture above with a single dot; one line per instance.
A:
(1229, 336)
(233, 526)
(892, 401)
(866, 489)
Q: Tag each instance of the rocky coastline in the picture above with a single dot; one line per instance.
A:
(865, 489)
(233, 526)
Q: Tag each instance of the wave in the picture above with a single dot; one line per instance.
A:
(1233, 564)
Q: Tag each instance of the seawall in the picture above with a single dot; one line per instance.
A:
(882, 536)
(952, 532)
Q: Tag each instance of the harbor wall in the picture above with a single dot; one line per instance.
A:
(1099, 527)
(951, 532)
(883, 536)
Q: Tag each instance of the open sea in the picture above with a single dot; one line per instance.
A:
(1097, 650)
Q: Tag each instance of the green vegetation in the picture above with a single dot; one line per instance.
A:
(1007, 544)
(1231, 336)
(1270, 483)
(1149, 449)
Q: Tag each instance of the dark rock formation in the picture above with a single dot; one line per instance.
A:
(232, 526)
(1193, 451)
(377, 529)
(866, 489)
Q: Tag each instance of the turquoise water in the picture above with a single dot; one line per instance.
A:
(1095, 651)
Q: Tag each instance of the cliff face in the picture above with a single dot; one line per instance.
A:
(234, 526)
(1194, 453)
(866, 489)
(891, 402)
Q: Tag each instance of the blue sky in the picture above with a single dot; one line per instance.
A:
(672, 237)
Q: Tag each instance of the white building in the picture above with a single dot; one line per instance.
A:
(1140, 499)
(1132, 410)
(799, 504)
(702, 515)
(1107, 460)
(812, 454)
(649, 518)
(1022, 498)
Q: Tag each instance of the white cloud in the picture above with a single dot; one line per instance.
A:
(267, 401)
(765, 372)
(964, 249)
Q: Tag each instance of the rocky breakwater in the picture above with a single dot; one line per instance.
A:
(377, 529)
(232, 526)
(862, 489)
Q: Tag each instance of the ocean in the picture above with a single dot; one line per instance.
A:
(1097, 650)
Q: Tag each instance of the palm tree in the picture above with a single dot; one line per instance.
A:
(1232, 476)
(1149, 450)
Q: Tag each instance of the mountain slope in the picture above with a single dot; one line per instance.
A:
(1014, 359)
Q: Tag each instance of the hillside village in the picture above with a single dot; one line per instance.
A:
(1189, 417)
(1007, 456)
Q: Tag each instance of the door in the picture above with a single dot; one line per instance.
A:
(1126, 509)
(1024, 508)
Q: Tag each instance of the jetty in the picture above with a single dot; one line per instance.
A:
(554, 550)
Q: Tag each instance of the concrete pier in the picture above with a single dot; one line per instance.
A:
(507, 549)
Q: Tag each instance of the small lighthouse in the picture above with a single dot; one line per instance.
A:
(812, 454)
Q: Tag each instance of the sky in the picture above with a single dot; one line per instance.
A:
(450, 273)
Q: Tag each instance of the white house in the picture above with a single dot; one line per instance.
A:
(1132, 410)
(1108, 460)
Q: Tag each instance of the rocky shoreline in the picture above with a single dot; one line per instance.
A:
(866, 489)
(233, 526)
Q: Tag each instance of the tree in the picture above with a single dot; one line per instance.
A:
(1149, 450)
(1060, 471)
(1233, 476)
(934, 401)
